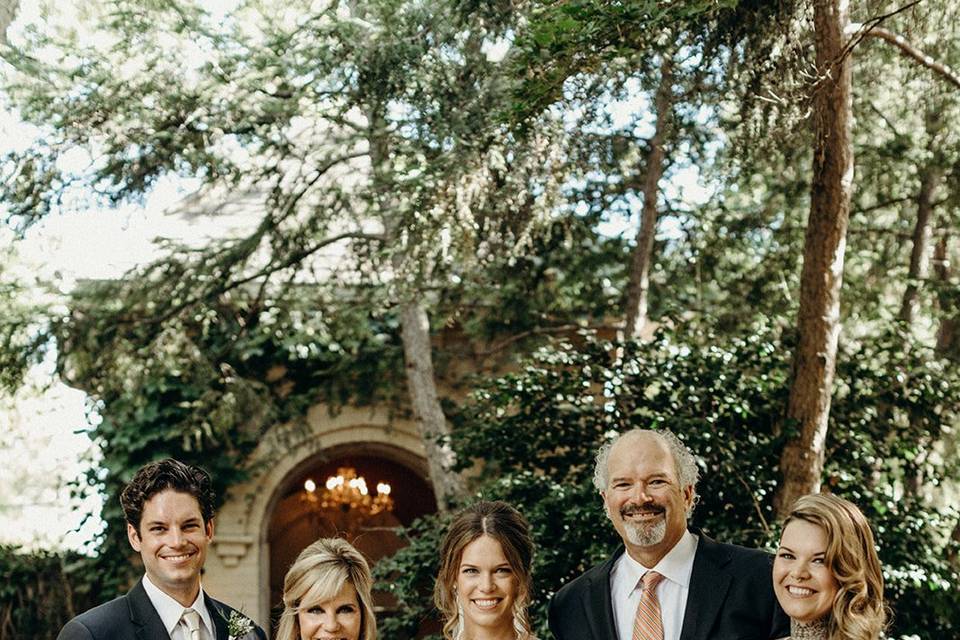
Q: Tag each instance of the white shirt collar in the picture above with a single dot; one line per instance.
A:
(171, 611)
(676, 566)
(626, 587)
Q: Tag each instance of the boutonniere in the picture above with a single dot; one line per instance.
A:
(238, 626)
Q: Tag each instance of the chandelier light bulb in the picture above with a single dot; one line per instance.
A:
(348, 492)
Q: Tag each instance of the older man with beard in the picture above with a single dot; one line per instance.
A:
(667, 582)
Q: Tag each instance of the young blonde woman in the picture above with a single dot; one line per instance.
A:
(484, 584)
(326, 594)
(827, 575)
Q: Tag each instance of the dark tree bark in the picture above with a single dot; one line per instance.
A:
(930, 177)
(638, 285)
(818, 322)
(948, 334)
(916, 273)
(919, 262)
(952, 556)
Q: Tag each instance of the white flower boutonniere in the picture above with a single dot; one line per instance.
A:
(239, 626)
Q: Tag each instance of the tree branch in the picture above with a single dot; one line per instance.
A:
(227, 286)
(883, 117)
(539, 331)
(907, 49)
(890, 203)
(299, 256)
(859, 29)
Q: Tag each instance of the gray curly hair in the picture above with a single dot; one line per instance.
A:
(686, 463)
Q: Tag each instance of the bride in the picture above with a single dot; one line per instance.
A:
(483, 588)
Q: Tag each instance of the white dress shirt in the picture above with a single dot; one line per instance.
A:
(171, 611)
(625, 587)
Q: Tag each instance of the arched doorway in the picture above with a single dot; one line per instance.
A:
(300, 516)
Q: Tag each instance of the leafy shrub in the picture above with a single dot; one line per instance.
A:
(536, 431)
(40, 591)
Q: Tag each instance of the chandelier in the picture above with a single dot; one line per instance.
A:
(348, 492)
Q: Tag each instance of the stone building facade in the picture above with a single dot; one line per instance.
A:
(266, 522)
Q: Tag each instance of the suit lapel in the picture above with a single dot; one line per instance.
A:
(597, 601)
(219, 615)
(146, 621)
(709, 583)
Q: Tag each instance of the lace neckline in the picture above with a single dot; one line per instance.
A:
(816, 630)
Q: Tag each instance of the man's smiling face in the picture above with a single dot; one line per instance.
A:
(644, 499)
(172, 541)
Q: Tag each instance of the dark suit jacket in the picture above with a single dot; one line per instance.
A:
(731, 598)
(132, 617)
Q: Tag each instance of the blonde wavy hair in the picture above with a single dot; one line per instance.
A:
(858, 611)
(318, 574)
(504, 524)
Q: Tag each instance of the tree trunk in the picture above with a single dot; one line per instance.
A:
(429, 416)
(952, 556)
(818, 322)
(638, 287)
(414, 330)
(948, 334)
(948, 338)
(930, 178)
(919, 264)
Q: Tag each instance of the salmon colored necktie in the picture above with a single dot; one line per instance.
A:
(648, 625)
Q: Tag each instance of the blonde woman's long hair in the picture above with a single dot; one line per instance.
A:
(318, 574)
(859, 611)
(504, 524)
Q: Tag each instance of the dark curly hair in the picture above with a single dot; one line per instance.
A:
(162, 475)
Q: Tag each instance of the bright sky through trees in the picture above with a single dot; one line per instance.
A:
(43, 442)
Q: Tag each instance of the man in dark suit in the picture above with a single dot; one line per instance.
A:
(667, 582)
(169, 511)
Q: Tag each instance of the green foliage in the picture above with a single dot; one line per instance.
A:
(40, 591)
(392, 118)
(569, 275)
(890, 452)
(408, 576)
(205, 388)
(537, 429)
(572, 42)
(25, 301)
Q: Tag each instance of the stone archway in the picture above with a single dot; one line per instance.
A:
(238, 567)
(297, 519)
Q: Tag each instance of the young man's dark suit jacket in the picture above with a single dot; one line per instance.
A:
(731, 598)
(132, 617)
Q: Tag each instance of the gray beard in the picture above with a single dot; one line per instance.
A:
(645, 536)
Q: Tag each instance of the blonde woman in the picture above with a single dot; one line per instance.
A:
(484, 584)
(326, 594)
(827, 575)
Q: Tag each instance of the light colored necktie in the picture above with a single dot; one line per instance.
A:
(192, 619)
(648, 625)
